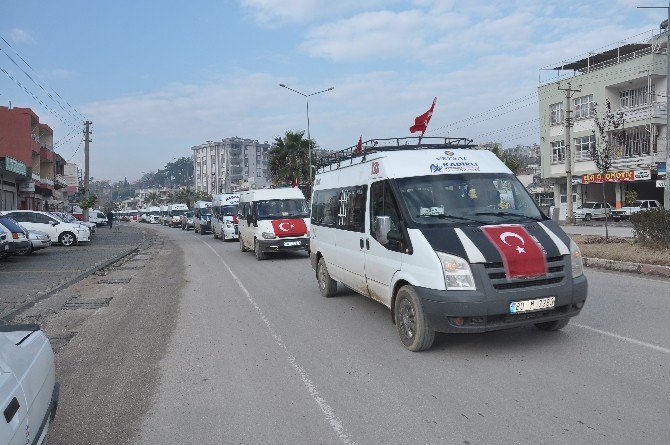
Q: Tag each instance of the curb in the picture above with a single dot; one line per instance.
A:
(624, 266)
(7, 318)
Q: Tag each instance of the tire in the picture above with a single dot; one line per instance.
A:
(587, 217)
(327, 285)
(555, 325)
(67, 239)
(260, 255)
(411, 322)
(183, 227)
(214, 233)
(243, 248)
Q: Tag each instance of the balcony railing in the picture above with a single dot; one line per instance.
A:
(648, 111)
(47, 181)
(36, 177)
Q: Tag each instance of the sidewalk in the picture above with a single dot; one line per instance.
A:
(614, 230)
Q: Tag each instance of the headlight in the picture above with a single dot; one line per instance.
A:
(268, 235)
(457, 273)
(576, 260)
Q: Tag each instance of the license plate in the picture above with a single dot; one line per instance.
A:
(291, 243)
(538, 304)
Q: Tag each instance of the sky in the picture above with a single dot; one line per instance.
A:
(157, 78)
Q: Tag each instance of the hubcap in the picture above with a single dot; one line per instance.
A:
(67, 239)
(406, 319)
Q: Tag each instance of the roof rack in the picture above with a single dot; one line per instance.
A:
(393, 144)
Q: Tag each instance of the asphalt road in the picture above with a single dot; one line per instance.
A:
(258, 356)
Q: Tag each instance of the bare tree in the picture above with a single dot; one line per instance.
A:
(610, 134)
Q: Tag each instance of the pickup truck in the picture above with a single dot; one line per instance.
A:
(637, 206)
(28, 388)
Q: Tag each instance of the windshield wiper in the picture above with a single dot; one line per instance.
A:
(445, 216)
(509, 214)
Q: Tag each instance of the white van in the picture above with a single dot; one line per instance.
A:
(174, 212)
(202, 217)
(163, 216)
(153, 215)
(224, 216)
(445, 236)
(271, 220)
(97, 217)
(144, 215)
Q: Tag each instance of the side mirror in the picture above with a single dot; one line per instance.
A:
(250, 219)
(53, 223)
(382, 228)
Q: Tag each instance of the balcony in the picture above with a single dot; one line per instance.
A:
(46, 181)
(47, 155)
(36, 177)
(656, 110)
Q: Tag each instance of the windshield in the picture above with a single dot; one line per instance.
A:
(587, 205)
(282, 208)
(206, 211)
(154, 213)
(636, 204)
(229, 210)
(176, 212)
(489, 198)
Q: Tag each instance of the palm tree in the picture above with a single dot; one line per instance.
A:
(289, 158)
(152, 197)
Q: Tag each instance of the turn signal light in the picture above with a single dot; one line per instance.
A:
(15, 235)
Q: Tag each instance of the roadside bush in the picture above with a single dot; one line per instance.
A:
(652, 227)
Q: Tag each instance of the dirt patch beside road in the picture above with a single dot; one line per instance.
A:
(621, 249)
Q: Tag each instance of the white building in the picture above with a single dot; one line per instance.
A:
(230, 165)
(633, 78)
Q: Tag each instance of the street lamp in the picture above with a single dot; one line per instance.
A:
(309, 138)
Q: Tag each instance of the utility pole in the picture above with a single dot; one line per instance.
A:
(666, 194)
(87, 140)
(568, 149)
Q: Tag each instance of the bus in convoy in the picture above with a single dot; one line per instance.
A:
(163, 216)
(271, 220)
(224, 216)
(153, 215)
(202, 217)
(174, 212)
(445, 236)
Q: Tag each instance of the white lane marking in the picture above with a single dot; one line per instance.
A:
(328, 412)
(621, 337)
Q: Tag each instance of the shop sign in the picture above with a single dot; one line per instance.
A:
(27, 187)
(662, 170)
(14, 166)
(620, 176)
(661, 184)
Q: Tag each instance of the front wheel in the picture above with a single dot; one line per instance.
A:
(214, 233)
(67, 239)
(587, 217)
(327, 285)
(411, 321)
(555, 325)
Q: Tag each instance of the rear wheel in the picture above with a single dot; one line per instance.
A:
(587, 217)
(67, 239)
(327, 285)
(555, 325)
(258, 250)
(411, 321)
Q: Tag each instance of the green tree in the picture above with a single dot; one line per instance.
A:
(288, 158)
(511, 161)
(179, 172)
(152, 198)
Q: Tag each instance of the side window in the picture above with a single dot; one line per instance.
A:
(351, 208)
(22, 217)
(42, 219)
(325, 207)
(382, 203)
(644, 205)
(652, 204)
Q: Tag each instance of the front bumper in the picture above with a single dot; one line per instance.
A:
(280, 244)
(83, 236)
(40, 244)
(487, 308)
(230, 232)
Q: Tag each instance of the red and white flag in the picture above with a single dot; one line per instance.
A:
(289, 227)
(359, 146)
(421, 122)
(294, 183)
(522, 255)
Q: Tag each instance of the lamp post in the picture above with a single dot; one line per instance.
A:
(309, 138)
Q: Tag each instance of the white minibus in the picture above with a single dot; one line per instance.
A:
(224, 216)
(202, 217)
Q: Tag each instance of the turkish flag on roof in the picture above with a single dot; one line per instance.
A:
(421, 122)
(289, 227)
(522, 255)
(359, 146)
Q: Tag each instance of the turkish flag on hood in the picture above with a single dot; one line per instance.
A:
(289, 227)
(522, 255)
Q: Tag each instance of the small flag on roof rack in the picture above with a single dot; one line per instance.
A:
(421, 122)
(359, 146)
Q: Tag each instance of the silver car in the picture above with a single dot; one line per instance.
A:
(38, 240)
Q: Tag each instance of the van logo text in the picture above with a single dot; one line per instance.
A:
(375, 168)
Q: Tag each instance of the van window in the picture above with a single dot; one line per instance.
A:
(485, 198)
(325, 207)
(228, 210)
(351, 209)
(281, 208)
(383, 203)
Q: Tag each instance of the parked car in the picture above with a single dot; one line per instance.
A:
(97, 217)
(28, 388)
(4, 243)
(16, 235)
(187, 221)
(66, 234)
(592, 210)
(38, 241)
(640, 205)
(69, 218)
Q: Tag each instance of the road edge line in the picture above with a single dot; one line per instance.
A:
(621, 337)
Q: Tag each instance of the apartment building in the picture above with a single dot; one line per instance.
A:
(230, 165)
(632, 77)
(30, 170)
